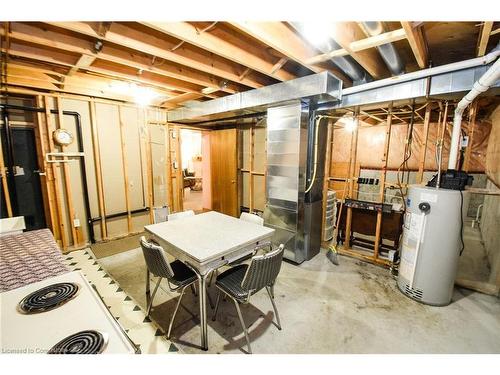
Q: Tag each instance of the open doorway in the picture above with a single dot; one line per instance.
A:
(195, 157)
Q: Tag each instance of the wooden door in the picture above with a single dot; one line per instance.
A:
(224, 171)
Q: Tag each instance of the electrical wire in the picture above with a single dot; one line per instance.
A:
(315, 167)
(407, 156)
(316, 132)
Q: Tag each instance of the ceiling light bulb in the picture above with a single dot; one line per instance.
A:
(350, 124)
(143, 96)
(317, 33)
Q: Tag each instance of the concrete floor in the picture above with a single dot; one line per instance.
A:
(473, 265)
(351, 308)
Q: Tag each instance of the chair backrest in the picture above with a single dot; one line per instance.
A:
(180, 215)
(156, 260)
(252, 218)
(263, 270)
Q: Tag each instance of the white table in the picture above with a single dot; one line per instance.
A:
(206, 242)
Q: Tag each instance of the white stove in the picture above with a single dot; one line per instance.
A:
(62, 314)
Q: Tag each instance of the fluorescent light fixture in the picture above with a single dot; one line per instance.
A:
(317, 33)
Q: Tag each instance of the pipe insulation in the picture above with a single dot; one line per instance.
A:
(489, 78)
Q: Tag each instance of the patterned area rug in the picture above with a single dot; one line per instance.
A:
(142, 331)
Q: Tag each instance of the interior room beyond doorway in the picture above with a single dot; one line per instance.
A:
(195, 158)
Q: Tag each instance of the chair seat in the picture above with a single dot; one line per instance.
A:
(230, 281)
(183, 275)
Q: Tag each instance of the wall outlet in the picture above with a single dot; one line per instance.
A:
(76, 223)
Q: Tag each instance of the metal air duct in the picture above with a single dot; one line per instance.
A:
(294, 214)
(345, 63)
(387, 51)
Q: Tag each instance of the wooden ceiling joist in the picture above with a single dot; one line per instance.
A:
(182, 98)
(279, 37)
(360, 45)
(417, 43)
(345, 33)
(79, 83)
(211, 43)
(484, 37)
(84, 61)
(126, 36)
(139, 61)
(109, 69)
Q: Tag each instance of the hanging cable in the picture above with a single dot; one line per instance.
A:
(407, 155)
(315, 165)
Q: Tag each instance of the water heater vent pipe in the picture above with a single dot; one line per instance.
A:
(487, 79)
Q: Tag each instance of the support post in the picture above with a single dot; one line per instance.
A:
(48, 178)
(252, 136)
(125, 169)
(5, 185)
(168, 171)
(423, 147)
(383, 176)
(352, 167)
(67, 180)
(98, 170)
(149, 168)
(57, 176)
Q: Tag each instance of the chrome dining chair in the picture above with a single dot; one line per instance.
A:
(243, 281)
(180, 215)
(178, 275)
(252, 218)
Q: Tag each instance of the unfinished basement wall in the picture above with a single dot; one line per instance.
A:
(124, 147)
(370, 152)
(371, 144)
(490, 219)
(252, 167)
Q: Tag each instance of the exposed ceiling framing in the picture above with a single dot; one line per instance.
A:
(186, 61)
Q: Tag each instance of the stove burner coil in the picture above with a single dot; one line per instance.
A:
(83, 342)
(48, 298)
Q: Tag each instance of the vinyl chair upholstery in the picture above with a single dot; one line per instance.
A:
(178, 275)
(252, 218)
(180, 215)
(242, 281)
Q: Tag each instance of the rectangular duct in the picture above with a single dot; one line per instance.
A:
(295, 217)
(320, 87)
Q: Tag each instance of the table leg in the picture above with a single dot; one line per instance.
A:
(203, 311)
